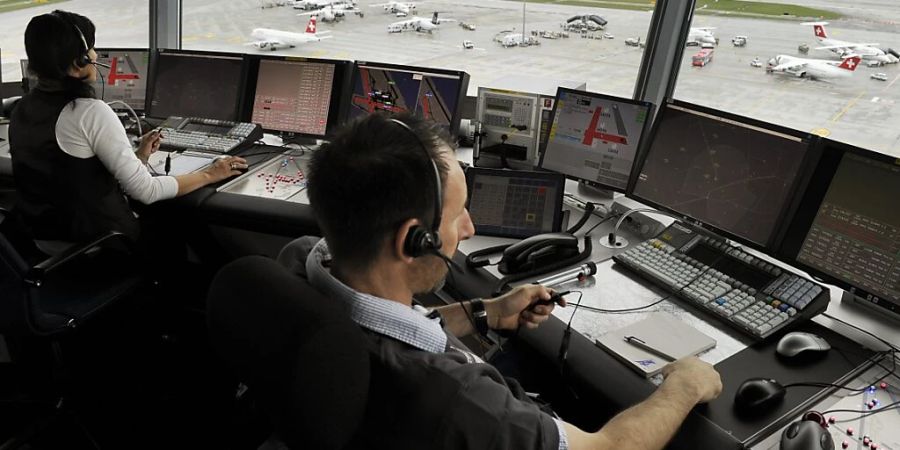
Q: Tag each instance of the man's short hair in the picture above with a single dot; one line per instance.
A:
(372, 177)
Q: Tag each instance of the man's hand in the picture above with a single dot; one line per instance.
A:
(694, 376)
(512, 309)
(149, 145)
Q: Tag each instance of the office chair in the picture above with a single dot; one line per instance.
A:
(50, 298)
(300, 355)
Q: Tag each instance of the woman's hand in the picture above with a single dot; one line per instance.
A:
(149, 145)
(226, 167)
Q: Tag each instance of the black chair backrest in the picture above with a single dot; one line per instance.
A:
(297, 351)
(17, 254)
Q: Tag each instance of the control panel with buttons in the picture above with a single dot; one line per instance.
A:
(746, 292)
(206, 135)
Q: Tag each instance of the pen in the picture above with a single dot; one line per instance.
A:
(637, 342)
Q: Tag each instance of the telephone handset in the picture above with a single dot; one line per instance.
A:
(538, 251)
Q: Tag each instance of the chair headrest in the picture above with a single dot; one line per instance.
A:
(9, 104)
(300, 353)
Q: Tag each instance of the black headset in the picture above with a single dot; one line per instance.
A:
(422, 240)
(85, 58)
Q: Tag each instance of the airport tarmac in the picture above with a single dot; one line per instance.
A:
(859, 110)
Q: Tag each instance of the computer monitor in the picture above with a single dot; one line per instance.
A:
(296, 96)
(433, 94)
(515, 203)
(196, 84)
(847, 227)
(126, 78)
(594, 138)
(730, 174)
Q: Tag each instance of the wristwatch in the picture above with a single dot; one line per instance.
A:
(479, 316)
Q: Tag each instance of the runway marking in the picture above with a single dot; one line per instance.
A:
(891, 83)
(847, 107)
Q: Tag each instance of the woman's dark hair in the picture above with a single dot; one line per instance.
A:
(53, 44)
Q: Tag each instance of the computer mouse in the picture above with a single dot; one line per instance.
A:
(758, 394)
(806, 435)
(795, 343)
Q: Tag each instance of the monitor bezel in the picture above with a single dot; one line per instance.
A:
(155, 58)
(150, 61)
(806, 166)
(545, 141)
(833, 153)
(339, 87)
(457, 108)
(555, 177)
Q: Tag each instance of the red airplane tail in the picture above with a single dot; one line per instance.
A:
(820, 31)
(850, 63)
(311, 26)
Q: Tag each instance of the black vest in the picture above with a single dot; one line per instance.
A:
(61, 197)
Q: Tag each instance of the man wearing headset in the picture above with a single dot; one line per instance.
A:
(70, 154)
(390, 200)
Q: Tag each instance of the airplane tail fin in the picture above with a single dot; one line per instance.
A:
(819, 30)
(434, 18)
(311, 26)
(850, 63)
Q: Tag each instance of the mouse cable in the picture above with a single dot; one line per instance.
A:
(671, 293)
(606, 219)
(891, 346)
(888, 373)
(888, 407)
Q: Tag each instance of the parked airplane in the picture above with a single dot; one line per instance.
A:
(319, 4)
(331, 13)
(813, 68)
(844, 48)
(701, 35)
(418, 24)
(401, 9)
(267, 38)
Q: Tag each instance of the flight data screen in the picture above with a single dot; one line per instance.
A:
(730, 175)
(126, 78)
(855, 235)
(197, 85)
(293, 96)
(432, 96)
(514, 206)
(595, 139)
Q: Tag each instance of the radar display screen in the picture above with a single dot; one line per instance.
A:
(721, 172)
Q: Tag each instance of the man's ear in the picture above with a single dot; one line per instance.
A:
(400, 239)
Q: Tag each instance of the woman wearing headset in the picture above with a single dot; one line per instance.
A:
(71, 157)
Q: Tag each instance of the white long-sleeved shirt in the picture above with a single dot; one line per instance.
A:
(92, 128)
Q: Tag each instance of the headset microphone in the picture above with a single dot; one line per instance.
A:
(100, 64)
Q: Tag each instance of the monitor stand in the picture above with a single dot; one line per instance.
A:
(595, 191)
(869, 305)
(299, 140)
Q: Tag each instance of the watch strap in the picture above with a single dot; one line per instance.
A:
(479, 316)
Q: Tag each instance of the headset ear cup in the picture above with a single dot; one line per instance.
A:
(415, 242)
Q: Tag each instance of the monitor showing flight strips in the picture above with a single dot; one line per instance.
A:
(196, 84)
(727, 173)
(595, 138)
(126, 78)
(296, 96)
(434, 94)
(847, 227)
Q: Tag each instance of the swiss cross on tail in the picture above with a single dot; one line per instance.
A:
(311, 27)
(820, 31)
(850, 63)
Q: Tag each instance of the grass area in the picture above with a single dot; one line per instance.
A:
(729, 7)
(12, 5)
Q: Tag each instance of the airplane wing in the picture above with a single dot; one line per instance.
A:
(848, 45)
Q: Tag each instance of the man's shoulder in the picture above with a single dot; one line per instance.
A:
(293, 255)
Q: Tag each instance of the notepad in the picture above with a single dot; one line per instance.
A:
(660, 331)
(183, 163)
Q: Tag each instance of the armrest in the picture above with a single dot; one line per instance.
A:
(35, 275)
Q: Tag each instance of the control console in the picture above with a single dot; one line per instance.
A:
(748, 293)
(207, 135)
